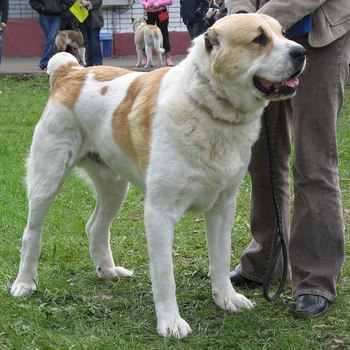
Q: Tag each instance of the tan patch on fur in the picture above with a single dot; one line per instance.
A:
(68, 81)
(104, 90)
(107, 73)
(236, 49)
(132, 120)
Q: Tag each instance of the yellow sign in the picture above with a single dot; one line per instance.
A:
(79, 11)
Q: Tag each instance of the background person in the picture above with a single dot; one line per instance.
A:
(157, 13)
(90, 29)
(4, 7)
(192, 13)
(315, 236)
(68, 20)
(50, 20)
(217, 10)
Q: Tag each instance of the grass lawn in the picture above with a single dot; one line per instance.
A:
(74, 309)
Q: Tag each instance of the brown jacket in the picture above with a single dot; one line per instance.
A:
(331, 18)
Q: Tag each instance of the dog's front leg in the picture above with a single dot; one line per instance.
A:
(160, 229)
(218, 223)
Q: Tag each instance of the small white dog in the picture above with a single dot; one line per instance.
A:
(72, 38)
(147, 37)
(183, 135)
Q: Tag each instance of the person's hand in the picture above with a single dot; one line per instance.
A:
(3, 26)
(85, 3)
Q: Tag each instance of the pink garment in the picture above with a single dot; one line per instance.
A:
(149, 4)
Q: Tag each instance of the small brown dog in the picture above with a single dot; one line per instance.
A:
(72, 38)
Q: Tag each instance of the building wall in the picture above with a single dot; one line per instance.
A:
(25, 38)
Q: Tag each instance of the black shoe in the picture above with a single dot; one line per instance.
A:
(238, 280)
(42, 67)
(312, 305)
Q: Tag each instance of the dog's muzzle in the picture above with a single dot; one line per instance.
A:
(286, 88)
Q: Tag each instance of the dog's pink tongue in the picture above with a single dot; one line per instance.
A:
(292, 82)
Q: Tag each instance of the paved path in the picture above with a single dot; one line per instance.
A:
(29, 65)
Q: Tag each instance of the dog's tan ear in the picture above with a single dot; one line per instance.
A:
(210, 39)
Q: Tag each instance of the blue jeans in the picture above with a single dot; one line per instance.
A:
(50, 26)
(92, 45)
(196, 28)
(1, 41)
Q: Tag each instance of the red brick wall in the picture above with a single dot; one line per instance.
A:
(24, 37)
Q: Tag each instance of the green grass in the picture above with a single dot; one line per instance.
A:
(74, 309)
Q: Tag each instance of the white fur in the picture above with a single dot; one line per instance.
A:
(207, 118)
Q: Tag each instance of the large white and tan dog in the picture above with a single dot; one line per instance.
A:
(147, 37)
(183, 135)
(72, 38)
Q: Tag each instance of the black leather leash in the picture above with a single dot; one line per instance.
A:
(280, 244)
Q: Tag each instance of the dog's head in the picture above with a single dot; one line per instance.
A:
(137, 22)
(251, 50)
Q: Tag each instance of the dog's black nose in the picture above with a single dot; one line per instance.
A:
(298, 53)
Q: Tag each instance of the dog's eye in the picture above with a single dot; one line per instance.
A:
(261, 39)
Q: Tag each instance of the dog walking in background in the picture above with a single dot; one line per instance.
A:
(147, 37)
(72, 38)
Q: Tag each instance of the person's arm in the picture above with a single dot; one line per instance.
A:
(4, 16)
(156, 3)
(202, 8)
(289, 12)
(243, 6)
(91, 4)
(36, 5)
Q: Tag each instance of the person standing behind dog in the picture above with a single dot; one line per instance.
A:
(50, 20)
(217, 10)
(90, 29)
(4, 7)
(157, 13)
(192, 13)
(68, 20)
(315, 237)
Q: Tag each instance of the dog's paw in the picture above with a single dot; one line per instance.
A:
(233, 302)
(173, 326)
(22, 289)
(112, 273)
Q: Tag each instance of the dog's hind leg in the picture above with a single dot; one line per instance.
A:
(111, 191)
(148, 51)
(140, 54)
(81, 52)
(51, 158)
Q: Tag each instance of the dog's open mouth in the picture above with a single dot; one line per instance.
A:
(279, 90)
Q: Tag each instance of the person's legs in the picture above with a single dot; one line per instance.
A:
(317, 230)
(198, 28)
(257, 255)
(1, 43)
(97, 59)
(88, 46)
(50, 26)
(163, 26)
(190, 29)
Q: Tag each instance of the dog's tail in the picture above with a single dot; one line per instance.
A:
(62, 62)
(158, 45)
